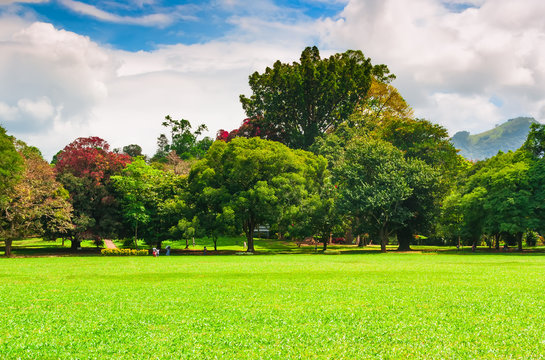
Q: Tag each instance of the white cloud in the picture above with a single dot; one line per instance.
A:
(458, 112)
(159, 20)
(495, 49)
(50, 77)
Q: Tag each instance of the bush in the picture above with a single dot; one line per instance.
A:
(531, 238)
(123, 252)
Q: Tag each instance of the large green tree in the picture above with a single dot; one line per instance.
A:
(255, 179)
(151, 200)
(375, 182)
(421, 139)
(297, 102)
(497, 198)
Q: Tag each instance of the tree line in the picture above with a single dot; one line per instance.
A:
(329, 148)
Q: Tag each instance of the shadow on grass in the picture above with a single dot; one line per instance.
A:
(234, 246)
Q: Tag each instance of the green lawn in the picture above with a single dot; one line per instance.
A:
(284, 306)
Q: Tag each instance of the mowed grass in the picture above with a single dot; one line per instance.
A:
(274, 307)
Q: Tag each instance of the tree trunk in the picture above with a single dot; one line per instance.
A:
(382, 235)
(497, 243)
(186, 244)
(404, 239)
(519, 240)
(136, 236)
(8, 243)
(250, 239)
(215, 243)
(325, 241)
(349, 236)
(75, 244)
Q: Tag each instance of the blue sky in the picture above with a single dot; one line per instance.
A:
(114, 69)
(122, 24)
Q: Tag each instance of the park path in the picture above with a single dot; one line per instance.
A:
(109, 244)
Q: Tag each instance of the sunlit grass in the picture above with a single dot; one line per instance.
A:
(424, 305)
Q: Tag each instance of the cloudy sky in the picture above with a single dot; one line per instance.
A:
(114, 69)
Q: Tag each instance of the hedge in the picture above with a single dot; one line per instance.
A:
(124, 252)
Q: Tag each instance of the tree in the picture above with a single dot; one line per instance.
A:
(135, 186)
(300, 101)
(84, 167)
(375, 181)
(185, 230)
(419, 138)
(383, 101)
(11, 165)
(505, 202)
(37, 204)
(255, 178)
(182, 140)
(535, 142)
(149, 197)
(133, 150)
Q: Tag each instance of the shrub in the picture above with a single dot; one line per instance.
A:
(124, 252)
(531, 238)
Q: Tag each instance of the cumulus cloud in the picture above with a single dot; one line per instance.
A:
(445, 59)
(49, 77)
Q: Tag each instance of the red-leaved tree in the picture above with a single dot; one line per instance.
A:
(84, 167)
(91, 157)
(252, 127)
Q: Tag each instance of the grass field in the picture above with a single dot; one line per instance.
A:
(274, 306)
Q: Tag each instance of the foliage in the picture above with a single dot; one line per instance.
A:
(253, 180)
(11, 165)
(133, 150)
(149, 196)
(37, 204)
(90, 158)
(375, 183)
(496, 198)
(84, 167)
(300, 101)
(182, 140)
(124, 252)
(383, 101)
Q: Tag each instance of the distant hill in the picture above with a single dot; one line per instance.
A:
(507, 136)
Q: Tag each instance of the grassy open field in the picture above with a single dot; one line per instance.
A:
(274, 306)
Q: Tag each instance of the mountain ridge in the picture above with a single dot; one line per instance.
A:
(508, 136)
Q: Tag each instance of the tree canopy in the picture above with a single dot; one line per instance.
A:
(297, 102)
(255, 179)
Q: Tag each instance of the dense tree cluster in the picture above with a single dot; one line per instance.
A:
(330, 149)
